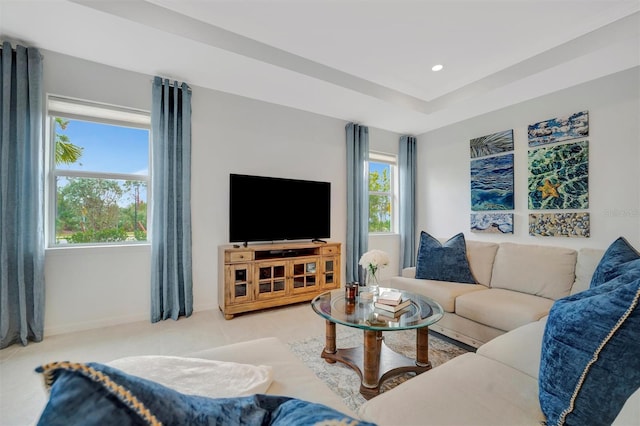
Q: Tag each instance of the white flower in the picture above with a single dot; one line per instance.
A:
(374, 259)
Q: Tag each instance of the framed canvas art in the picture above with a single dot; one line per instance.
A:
(559, 177)
(559, 129)
(492, 183)
(574, 225)
(495, 143)
(492, 223)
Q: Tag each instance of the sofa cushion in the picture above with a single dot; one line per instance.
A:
(443, 292)
(519, 348)
(481, 256)
(539, 270)
(591, 352)
(619, 257)
(586, 264)
(195, 376)
(468, 390)
(291, 377)
(443, 262)
(97, 394)
(502, 309)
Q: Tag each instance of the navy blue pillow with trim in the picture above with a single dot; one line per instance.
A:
(96, 394)
(443, 262)
(619, 257)
(590, 361)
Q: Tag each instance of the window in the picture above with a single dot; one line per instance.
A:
(98, 173)
(382, 190)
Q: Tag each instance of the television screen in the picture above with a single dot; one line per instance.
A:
(271, 209)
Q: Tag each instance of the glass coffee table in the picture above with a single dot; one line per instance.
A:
(375, 362)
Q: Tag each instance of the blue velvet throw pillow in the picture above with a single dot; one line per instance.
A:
(590, 361)
(619, 257)
(96, 394)
(443, 262)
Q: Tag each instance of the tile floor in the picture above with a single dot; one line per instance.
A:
(22, 395)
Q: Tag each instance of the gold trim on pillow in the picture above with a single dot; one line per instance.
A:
(124, 395)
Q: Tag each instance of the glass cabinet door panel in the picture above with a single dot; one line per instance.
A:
(278, 272)
(241, 275)
(298, 269)
(265, 273)
(329, 278)
(278, 286)
(240, 290)
(328, 265)
(264, 287)
(311, 268)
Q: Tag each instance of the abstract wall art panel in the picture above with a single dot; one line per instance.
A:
(492, 183)
(491, 144)
(492, 223)
(560, 225)
(559, 177)
(559, 129)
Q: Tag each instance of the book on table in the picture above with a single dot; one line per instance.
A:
(390, 298)
(393, 308)
(391, 316)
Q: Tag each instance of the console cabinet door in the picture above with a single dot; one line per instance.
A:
(239, 279)
(271, 279)
(330, 272)
(305, 275)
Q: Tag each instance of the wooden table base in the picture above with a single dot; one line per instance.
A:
(375, 362)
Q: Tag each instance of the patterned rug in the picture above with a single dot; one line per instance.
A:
(344, 381)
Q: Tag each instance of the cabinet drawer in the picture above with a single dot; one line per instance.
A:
(329, 250)
(240, 256)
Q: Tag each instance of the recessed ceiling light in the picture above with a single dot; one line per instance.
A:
(437, 67)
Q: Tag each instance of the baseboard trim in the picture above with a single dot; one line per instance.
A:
(108, 322)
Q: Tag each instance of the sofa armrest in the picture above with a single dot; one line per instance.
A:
(409, 272)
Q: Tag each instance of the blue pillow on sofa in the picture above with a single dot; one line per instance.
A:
(443, 262)
(619, 257)
(590, 361)
(96, 394)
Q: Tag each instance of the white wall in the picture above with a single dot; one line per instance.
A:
(613, 102)
(87, 288)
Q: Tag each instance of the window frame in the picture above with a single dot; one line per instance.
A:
(392, 161)
(95, 112)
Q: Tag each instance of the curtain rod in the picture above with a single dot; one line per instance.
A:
(172, 82)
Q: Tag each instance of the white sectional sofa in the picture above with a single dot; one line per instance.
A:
(517, 285)
(497, 385)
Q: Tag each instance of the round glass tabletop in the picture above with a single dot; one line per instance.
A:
(333, 306)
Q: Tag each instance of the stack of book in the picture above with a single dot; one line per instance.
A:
(392, 301)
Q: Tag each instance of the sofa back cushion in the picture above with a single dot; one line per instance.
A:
(586, 264)
(539, 270)
(481, 256)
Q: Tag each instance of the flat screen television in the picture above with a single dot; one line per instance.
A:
(272, 209)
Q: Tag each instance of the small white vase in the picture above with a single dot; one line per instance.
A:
(372, 282)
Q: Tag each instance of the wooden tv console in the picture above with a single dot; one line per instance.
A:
(267, 275)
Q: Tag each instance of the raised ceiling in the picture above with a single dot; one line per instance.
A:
(363, 61)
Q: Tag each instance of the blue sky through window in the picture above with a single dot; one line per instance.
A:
(108, 148)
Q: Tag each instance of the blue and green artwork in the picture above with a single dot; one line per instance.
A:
(559, 177)
(495, 143)
(559, 129)
(573, 225)
(492, 223)
(492, 183)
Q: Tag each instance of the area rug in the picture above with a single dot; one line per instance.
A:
(344, 381)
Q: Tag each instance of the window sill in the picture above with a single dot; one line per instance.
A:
(62, 250)
(383, 234)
